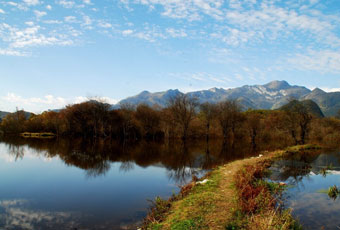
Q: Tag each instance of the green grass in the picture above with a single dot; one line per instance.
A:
(188, 211)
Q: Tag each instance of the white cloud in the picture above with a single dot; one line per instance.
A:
(87, 20)
(39, 14)
(49, 7)
(239, 22)
(327, 89)
(52, 22)
(176, 33)
(40, 104)
(30, 23)
(189, 9)
(66, 4)
(70, 19)
(152, 34)
(31, 36)
(31, 2)
(127, 32)
(11, 52)
(20, 6)
(88, 2)
(2, 11)
(104, 25)
(202, 77)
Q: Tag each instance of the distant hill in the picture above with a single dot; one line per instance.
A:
(310, 105)
(328, 102)
(3, 114)
(269, 96)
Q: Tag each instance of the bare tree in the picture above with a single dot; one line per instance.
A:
(304, 119)
(299, 119)
(208, 112)
(229, 116)
(253, 125)
(183, 109)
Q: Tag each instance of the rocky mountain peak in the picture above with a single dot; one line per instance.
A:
(277, 85)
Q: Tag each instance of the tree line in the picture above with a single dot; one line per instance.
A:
(183, 118)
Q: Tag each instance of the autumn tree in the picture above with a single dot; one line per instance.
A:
(183, 109)
(149, 119)
(13, 123)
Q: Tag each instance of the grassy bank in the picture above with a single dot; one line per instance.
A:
(232, 196)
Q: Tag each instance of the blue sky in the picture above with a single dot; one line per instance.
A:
(58, 52)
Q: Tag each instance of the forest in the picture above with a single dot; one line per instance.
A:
(183, 118)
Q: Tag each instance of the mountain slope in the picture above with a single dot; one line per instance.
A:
(328, 102)
(145, 97)
(3, 114)
(269, 96)
(310, 105)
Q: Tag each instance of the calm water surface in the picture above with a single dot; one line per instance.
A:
(73, 184)
(306, 197)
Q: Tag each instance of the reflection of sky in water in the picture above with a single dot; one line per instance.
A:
(41, 193)
(16, 214)
(310, 206)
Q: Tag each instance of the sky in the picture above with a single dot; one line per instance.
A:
(59, 52)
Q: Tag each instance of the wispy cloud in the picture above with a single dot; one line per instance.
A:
(229, 31)
(39, 14)
(30, 36)
(31, 2)
(190, 9)
(324, 61)
(66, 4)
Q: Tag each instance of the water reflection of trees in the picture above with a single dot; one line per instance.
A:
(295, 168)
(182, 160)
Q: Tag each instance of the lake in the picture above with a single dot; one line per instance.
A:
(308, 177)
(77, 184)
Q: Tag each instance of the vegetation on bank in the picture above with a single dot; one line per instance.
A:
(37, 135)
(183, 118)
(235, 196)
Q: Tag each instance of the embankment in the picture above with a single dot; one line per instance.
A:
(232, 196)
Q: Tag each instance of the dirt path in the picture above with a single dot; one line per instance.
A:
(208, 206)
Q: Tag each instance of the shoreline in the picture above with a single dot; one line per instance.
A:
(231, 196)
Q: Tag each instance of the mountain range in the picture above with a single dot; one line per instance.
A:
(269, 96)
(273, 95)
